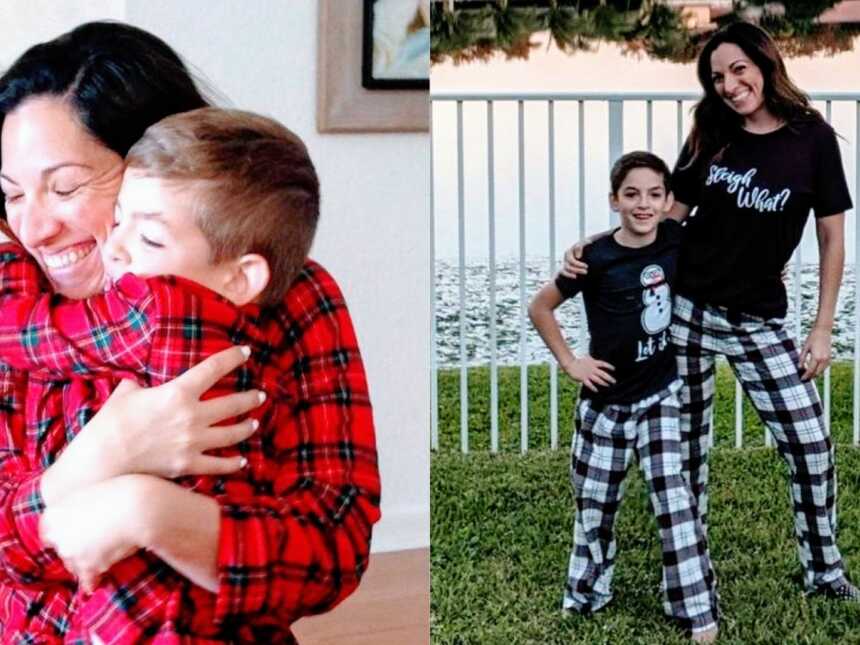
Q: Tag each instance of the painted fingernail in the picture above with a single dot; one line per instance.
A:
(246, 351)
(254, 424)
(243, 462)
(262, 396)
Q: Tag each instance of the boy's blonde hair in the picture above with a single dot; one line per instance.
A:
(255, 188)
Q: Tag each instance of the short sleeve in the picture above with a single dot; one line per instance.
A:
(569, 287)
(686, 178)
(831, 194)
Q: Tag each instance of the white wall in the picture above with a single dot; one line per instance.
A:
(373, 233)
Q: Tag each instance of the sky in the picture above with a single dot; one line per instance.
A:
(605, 70)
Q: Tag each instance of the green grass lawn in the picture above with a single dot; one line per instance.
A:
(501, 534)
(539, 408)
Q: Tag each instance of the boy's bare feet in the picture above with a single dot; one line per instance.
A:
(708, 636)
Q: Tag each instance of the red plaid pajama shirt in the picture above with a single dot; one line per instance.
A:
(295, 523)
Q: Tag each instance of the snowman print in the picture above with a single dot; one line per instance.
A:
(657, 299)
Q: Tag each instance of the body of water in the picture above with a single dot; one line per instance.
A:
(507, 293)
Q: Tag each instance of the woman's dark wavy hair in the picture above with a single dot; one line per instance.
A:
(715, 124)
(119, 79)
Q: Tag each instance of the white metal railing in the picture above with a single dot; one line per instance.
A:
(615, 103)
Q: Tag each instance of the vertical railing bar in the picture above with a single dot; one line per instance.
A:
(461, 238)
(768, 440)
(616, 142)
(491, 214)
(798, 303)
(827, 384)
(649, 124)
(798, 306)
(855, 415)
(581, 215)
(524, 392)
(711, 434)
(679, 115)
(739, 415)
(434, 366)
(553, 368)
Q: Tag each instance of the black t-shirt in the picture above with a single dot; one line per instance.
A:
(628, 303)
(753, 202)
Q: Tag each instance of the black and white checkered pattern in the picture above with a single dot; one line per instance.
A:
(765, 360)
(603, 446)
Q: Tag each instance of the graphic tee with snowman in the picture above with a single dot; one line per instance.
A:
(628, 304)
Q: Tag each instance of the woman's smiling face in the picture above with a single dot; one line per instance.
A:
(737, 80)
(60, 185)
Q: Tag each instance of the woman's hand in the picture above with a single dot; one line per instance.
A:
(573, 265)
(161, 431)
(94, 527)
(815, 356)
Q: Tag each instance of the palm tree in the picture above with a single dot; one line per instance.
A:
(659, 32)
(608, 22)
(452, 32)
(514, 27)
(567, 27)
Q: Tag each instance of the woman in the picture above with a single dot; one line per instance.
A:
(79, 492)
(758, 158)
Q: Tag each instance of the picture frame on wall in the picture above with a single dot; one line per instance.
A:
(396, 44)
(343, 104)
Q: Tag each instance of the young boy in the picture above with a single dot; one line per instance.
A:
(628, 400)
(226, 204)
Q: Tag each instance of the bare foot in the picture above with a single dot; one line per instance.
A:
(709, 636)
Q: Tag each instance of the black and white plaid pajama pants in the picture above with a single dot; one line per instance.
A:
(765, 360)
(606, 438)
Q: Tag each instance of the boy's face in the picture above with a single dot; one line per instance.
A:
(640, 200)
(155, 233)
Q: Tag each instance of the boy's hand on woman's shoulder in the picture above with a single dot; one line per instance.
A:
(590, 372)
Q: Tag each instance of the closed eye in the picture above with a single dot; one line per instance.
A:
(151, 243)
(65, 193)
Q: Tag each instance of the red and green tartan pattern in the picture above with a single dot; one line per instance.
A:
(295, 523)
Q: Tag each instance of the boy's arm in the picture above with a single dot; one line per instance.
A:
(585, 370)
(147, 327)
(44, 331)
(541, 312)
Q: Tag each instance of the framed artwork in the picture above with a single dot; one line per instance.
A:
(343, 104)
(396, 45)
